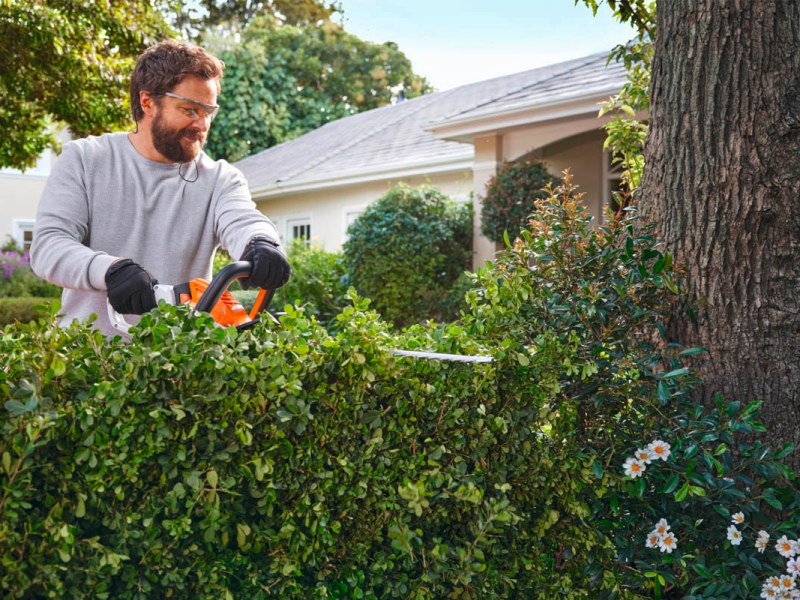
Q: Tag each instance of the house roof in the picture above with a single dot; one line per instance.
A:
(411, 137)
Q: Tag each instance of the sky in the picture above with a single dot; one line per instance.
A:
(454, 42)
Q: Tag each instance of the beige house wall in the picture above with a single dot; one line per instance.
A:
(329, 211)
(582, 153)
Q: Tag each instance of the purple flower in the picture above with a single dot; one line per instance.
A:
(10, 261)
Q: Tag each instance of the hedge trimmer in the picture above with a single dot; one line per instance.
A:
(214, 298)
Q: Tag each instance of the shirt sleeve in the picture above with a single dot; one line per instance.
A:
(237, 218)
(59, 253)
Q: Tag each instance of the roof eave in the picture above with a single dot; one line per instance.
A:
(455, 163)
(465, 129)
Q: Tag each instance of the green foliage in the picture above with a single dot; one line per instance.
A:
(17, 278)
(288, 462)
(283, 81)
(627, 129)
(317, 283)
(67, 64)
(511, 197)
(24, 309)
(406, 252)
(195, 19)
(582, 311)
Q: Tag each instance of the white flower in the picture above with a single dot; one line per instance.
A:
(668, 543)
(644, 455)
(659, 449)
(773, 582)
(761, 544)
(787, 583)
(661, 528)
(768, 593)
(737, 518)
(763, 535)
(634, 467)
(793, 567)
(734, 535)
(786, 548)
(652, 539)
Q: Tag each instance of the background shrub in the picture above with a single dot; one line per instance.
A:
(511, 197)
(25, 309)
(406, 252)
(17, 279)
(318, 283)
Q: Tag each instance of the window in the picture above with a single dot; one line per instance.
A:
(23, 232)
(299, 229)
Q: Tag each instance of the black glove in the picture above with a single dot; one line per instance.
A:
(271, 270)
(130, 288)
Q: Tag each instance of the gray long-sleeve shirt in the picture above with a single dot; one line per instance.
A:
(104, 201)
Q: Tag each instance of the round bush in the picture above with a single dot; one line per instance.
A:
(511, 196)
(407, 250)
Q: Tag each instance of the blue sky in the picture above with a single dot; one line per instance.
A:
(453, 42)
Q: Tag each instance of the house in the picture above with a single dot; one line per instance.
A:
(313, 187)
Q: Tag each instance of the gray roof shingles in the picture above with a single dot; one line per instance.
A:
(395, 135)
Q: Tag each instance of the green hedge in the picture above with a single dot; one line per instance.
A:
(25, 309)
(289, 462)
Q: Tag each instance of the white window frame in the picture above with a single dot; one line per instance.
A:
(18, 229)
(299, 221)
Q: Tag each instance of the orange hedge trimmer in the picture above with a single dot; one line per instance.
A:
(214, 298)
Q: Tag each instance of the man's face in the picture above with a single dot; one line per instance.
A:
(180, 126)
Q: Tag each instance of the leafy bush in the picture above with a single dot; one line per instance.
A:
(317, 283)
(407, 250)
(293, 463)
(24, 309)
(581, 310)
(511, 197)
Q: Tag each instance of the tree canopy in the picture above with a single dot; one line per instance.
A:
(67, 63)
(283, 81)
(193, 18)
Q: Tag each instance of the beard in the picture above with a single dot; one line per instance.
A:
(178, 146)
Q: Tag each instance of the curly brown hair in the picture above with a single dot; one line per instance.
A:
(163, 66)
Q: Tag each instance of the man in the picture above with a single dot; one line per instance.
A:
(122, 211)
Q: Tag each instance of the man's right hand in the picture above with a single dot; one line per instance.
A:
(130, 288)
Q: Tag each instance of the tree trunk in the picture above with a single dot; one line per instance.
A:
(722, 184)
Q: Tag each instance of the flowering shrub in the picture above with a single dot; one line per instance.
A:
(579, 310)
(10, 261)
(719, 498)
(18, 280)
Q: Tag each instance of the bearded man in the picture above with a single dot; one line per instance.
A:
(122, 211)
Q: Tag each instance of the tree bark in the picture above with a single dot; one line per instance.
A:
(722, 184)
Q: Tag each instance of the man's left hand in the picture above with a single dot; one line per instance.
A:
(271, 270)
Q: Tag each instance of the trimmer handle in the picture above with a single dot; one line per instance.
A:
(222, 281)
